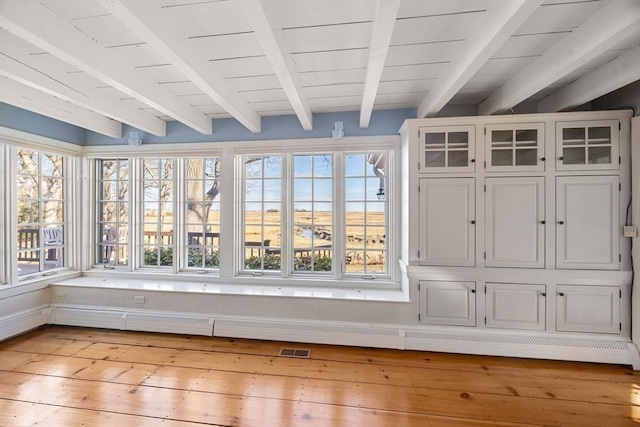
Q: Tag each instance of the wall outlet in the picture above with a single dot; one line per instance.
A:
(138, 299)
(630, 231)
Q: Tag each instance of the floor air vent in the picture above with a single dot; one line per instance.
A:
(294, 352)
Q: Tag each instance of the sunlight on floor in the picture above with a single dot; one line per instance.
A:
(635, 403)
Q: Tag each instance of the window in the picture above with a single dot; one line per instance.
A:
(158, 212)
(113, 212)
(202, 209)
(262, 213)
(40, 211)
(366, 221)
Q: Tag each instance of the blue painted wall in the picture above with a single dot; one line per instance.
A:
(383, 122)
(26, 121)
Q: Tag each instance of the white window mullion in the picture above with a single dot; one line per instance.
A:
(339, 233)
(136, 210)
(230, 197)
(286, 216)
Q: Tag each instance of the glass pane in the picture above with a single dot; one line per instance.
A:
(323, 213)
(434, 138)
(502, 138)
(355, 237)
(272, 190)
(253, 167)
(271, 237)
(599, 155)
(355, 213)
(376, 261)
(302, 213)
(434, 159)
(51, 165)
(354, 189)
(303, 237)
(323, 165)
(527, 157)
(375, 188)
(28, 211)
(354, 261)
(600, 135)
(458, 140)
(376, 237)
(301, 166)
(123, 169)
(151, 167)
(501, 158)
(302, 189)
(573, 156)
(27, 187)
(109, 190)
(272, 167)
(527, 138)
(27, 162)
(52, 212)
(123, 190)
(458, 158)
(323, 189)
(322, 236)
(354, 164)
(573, 136)
(302, 259)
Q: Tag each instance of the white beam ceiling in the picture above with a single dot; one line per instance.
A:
(65, 88)
(614, 22)
(38, 25)
(613, 75)
(269, 35)
(383, 24)
(499, 22)
(156, 27)
(31, 99)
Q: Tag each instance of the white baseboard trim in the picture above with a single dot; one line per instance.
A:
(23, 321)
(503, 343)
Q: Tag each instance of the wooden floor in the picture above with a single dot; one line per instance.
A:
(63, 376)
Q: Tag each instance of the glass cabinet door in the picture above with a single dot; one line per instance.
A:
(587, 145)
(518, 147)
(447, 149)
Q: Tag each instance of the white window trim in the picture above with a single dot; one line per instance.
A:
(13, 139)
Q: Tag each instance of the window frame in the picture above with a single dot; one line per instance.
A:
(230, 153)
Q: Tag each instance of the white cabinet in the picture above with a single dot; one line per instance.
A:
(588, 309)
(587, 145)
(447, 149)
(514, 222)
(514, 148)
(448, 303)
(447, 221)
(587, 222)
(515, 306)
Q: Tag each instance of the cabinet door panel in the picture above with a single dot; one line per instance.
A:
(588, 145)
(588, 309)
(514, 148)
(447, 149)
(514, 232)
(448, 303)
(515, 306)
(587, 222)
(447, 208)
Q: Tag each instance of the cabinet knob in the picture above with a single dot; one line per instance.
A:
(473, 160)
(544, 294)
(473, 222)
(473, 291)
(543, 222)
(561, 158)
(561, 222)
(561, 294)
(543, 159)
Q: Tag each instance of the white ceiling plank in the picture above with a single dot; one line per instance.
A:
(155, 26)
(500, 22)
(82, 95)
(280, 59)
(383, 24)
(28, 98)
(36, 24)
(614, 22)
(611, 76)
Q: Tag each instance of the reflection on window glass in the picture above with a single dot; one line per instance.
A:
(202, 210)
(40, 211)
(113, 212)
(366, 213)
(313, 213)
(157, 213)
(262, 212)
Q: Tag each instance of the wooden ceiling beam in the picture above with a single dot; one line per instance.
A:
(38, 25)
(613, 75)
(613, 23)
(269, 34)
(383, 25)
(157, 28)
(81, 95)
(34, 100)
(499, 22)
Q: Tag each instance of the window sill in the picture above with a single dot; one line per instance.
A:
(248, 286)
(37, 283)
